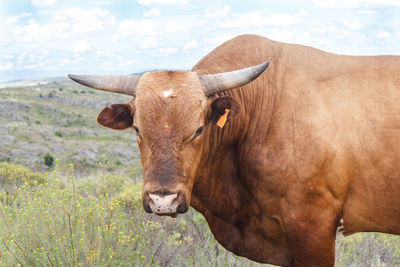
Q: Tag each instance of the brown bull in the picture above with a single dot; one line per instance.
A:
(310, 147)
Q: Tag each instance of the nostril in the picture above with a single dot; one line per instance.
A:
(146, 201)
(182, 204)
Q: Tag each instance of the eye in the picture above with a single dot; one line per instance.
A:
(199, 131)
(137, 130)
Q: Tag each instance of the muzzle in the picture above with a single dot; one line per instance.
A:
(165, 203)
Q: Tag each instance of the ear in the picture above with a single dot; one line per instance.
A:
(223, 109)
(117, 116)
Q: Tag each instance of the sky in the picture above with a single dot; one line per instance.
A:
(46, 38)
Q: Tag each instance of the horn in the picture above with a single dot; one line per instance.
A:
(122, 84)
(214, 83)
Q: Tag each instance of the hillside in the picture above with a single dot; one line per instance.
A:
(59, 117)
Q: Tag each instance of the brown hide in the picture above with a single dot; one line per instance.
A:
(317, 141)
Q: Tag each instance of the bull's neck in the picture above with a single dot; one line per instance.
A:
(220, 184)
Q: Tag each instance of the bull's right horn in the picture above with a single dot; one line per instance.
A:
(122, 84)
(214, 83)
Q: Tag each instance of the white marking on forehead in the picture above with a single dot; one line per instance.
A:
(340, 229)
(167, 93)
(166, 125)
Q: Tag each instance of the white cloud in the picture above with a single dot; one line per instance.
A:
(126, 26)
(218, 13)
(322, 29)
(7, 66)
(367, 12)
(175, 26)
(128, 63)
(131, 27)
(191, 45)
(86, 20)
(63, 25)
(220, 38)
(303, 12)
(380, 3)
(11, 20)
(282, 35)
(16, 18)
(383, 34)
(35, 32)
(81, 47)
(154, 12)
(337, 3)
(324, 42)
(398, 32)
(43, 3)
(356, 3)
(279, 19)
(258, 19)
(148, 43)
(168, 51)
(163, 2)
(353, 25)
(102, 3)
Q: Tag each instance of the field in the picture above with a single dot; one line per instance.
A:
(70, 193)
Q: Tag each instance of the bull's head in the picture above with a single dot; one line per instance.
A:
(170, 112)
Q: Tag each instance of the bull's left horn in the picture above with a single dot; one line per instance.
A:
(122, 84)
(214, 83)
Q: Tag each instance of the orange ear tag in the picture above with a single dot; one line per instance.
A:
(221, 122)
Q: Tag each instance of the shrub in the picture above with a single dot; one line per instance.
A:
(6, 159)
(51, 94)
(13, 176)
(48, 160)
(368, 249)
(58, 133)
(131, 195)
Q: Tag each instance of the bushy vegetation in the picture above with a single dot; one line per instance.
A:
(13, 176)
(368, 249)
(57, 220)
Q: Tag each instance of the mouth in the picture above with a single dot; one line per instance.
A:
(172, 215)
